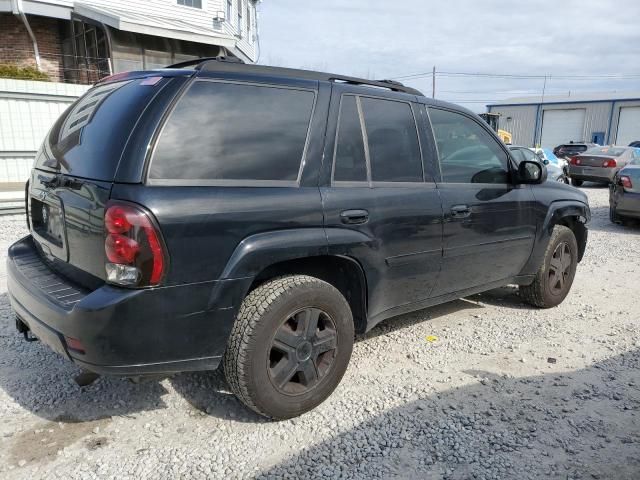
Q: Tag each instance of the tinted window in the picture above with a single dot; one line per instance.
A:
(517, 154)
(468, 154)
(223, 131)
(610, 151)
(394, 151)
(529, 155)
(350, 163)
(88, 138)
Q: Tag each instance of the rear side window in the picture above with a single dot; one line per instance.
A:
(350, 161)
(394, 151)
(236, 132)
(88, 139)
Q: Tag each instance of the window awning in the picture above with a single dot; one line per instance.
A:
(153, 25)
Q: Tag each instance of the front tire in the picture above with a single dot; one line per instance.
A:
(290, 346)
(555, 276)
(575, 182)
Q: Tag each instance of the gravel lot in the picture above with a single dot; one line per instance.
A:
(505, 391)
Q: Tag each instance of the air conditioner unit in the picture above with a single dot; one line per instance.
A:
(220, 16)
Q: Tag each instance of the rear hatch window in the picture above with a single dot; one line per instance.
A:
(88, 139)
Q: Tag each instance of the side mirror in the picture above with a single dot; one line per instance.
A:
(530, 172)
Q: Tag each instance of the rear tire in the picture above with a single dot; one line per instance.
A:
(290, 346)
(575, 182)
(555, 276)
(613, 216)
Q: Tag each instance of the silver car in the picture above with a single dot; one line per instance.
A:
(600, 164)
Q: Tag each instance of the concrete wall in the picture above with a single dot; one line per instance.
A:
(28, 109)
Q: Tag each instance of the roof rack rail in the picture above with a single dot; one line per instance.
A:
(214, 64)
(200, 61)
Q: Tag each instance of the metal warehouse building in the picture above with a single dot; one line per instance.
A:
(606, 119)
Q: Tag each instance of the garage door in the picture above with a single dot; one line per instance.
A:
(628, 126)
(562, 126)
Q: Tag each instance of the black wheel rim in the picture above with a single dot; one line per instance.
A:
(302, 351)
(560, 268)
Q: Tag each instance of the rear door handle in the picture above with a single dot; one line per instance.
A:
(354, 217)
(460, 211)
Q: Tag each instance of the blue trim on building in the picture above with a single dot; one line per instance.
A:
(535, 131)
(613, 107)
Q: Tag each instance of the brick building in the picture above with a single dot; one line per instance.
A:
(82, 41)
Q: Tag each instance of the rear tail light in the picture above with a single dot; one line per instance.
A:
(575, 161)
(133, 245)
(625, 181)
(609, 163)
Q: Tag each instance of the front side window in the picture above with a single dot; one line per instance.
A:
(394, 150)
(223, 131)
(468, 154)
(191, 3)
(350, 161)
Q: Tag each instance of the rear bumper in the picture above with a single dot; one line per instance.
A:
(592, 174)
(627, 204)
(123, 331)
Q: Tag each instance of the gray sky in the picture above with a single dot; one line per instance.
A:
(388, 39)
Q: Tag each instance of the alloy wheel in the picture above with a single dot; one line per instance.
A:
(560, 268)
(302, 351)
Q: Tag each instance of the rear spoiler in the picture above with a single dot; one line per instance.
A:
(162, 72)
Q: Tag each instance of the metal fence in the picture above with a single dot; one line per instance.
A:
(28, 109)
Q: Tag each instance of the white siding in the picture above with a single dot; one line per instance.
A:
(202, 18)
(28, 109)
(526, 118)
(519, 121)
(616, 119)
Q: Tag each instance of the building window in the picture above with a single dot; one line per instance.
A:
(191, 3)
(229, 10)
(240, 18)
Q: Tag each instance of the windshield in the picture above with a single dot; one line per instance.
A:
(610, 151)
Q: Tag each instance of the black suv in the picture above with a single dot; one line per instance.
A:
(259, 217)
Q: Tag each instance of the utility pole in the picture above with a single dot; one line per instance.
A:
(433, 83)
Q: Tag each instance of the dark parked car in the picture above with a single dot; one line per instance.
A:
(259, 217)
(554, 172)
(568, 150)
(624, 194)
(600, 164)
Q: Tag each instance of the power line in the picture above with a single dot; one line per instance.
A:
(610, 76)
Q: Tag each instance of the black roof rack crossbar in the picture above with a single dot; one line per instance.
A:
(199, 61)
(229, 64)
(389, 84)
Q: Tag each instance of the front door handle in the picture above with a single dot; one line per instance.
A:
(460, 211)
(354, 217)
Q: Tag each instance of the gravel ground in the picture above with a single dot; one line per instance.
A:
(506, 391)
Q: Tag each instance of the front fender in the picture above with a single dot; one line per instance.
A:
(558, 213)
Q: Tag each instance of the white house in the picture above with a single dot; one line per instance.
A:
(79, 41)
